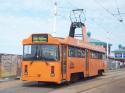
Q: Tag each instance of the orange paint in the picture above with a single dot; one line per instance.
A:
(65, 66)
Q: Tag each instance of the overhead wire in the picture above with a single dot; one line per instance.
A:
(68, 9)
(118, 10)
(107, 10)
(106, 30)
(112, 14)
(74, 6)
(64, 9)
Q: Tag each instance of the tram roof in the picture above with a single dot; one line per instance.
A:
(68, 41)
(80, 43)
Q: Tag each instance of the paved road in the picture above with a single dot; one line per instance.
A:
(24, 87)
(111, 82)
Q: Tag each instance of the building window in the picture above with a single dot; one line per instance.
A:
(118, 55)
(124, 55)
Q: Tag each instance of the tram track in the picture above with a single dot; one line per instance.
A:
(103, 84)
(82, 86)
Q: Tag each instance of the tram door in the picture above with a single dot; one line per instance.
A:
(64, 60)
(87, 62)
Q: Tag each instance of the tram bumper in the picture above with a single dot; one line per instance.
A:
(42, 72)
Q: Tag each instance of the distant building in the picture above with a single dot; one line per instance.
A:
(112, 62)
(10, 65)
(99, 42)
(119, 54)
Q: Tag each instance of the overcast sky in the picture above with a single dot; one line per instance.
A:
(20, 18)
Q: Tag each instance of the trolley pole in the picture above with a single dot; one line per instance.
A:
(55, 18)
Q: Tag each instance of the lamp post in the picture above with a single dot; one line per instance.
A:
(107, 44)
(55, 18)
(107, 51)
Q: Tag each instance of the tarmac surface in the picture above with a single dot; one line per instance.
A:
(111, 82)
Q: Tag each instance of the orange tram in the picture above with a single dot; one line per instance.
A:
(52, 59)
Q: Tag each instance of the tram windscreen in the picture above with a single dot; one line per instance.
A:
(41, 52)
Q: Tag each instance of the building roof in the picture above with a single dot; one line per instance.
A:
(95, 41)
(98, 42)
(119, 51)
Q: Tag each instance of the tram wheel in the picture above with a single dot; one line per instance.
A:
(74, 78)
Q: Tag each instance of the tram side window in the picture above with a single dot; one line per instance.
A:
(100, 56)
(94, 54)
(80, 52)
(83, 52)
(103, 56)
(72, 51)
(97, 55)
(76, 52)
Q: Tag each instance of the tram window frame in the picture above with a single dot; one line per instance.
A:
(82, 52)
(75, 50)
(103, 56)
(93, 55)
(97, 55)
(58, 51)
(78, 52)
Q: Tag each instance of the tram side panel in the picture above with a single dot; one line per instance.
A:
(76, 61)
(96, 63)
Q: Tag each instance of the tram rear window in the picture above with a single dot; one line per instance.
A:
(40, 38)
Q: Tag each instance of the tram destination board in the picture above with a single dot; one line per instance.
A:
(40, 38)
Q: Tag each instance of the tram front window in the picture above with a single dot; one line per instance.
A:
(41, 52)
